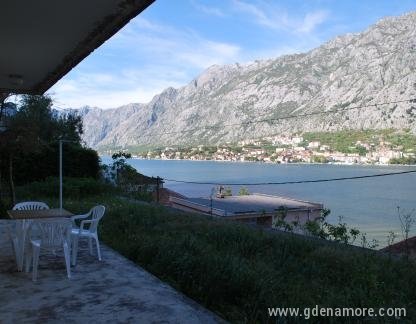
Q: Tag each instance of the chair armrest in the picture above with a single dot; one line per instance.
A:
(81, 227)
(76, 217)
(35, 243)
(79, 216)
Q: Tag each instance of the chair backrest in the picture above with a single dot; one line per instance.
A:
(54, 231)
(30, 205)
(96, 213)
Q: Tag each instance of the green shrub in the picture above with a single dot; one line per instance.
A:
(228, 192)
(403, 160)
(143, 196)
(243, 191)
(319, 159)
(77, 188)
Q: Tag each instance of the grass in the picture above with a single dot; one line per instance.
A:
(238, 271)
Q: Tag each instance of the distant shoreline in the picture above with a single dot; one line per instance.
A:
(273, 163)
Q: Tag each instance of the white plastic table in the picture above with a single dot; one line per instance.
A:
(24, 219)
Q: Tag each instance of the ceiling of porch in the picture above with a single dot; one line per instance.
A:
(41, 41)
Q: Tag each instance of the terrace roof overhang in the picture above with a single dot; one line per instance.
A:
(41, 41)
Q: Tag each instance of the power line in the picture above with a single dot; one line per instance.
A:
(293, 182)
(270, 120)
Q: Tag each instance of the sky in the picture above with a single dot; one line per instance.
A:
(173, 41)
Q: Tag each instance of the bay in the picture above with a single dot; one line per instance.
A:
(368, 204)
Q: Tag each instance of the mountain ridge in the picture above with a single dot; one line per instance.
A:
(374, 66)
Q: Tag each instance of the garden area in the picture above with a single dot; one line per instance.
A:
(235, 270)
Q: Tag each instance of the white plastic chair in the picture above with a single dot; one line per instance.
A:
(92, 218)
(55, 234)
(30, 205)
(21, 229)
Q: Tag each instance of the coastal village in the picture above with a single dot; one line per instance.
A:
(290, 149)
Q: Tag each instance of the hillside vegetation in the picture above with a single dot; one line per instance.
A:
(346, 141)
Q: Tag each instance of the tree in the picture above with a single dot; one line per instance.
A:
(339, 232)
(119, 161)
(11, 141)
(243, 191)
(29, 146)
(319, 159)
(407, 220)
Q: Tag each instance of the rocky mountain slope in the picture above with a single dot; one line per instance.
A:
(375, 66)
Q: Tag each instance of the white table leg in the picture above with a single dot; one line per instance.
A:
(22, 227)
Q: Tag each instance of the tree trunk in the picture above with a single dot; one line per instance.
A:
(11, 182)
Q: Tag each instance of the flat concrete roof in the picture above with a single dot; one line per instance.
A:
(254, 203)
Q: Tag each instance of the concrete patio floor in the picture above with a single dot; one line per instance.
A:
(114, 290)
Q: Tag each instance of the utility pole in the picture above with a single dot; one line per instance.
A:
(60, 174)
(61, 141)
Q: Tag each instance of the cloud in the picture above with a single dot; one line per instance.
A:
(213, 11)
(147, 56)
(207, 53)
(185, 47)
(96, 98)
(110, 91)
(140, 62)
(278, 19)
(312, 20)
(260, 16)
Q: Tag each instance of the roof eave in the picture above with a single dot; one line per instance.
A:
(103, 31)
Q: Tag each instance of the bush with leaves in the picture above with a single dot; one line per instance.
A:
(228, 192)
(319, 227)
(243, 191)
(407, 220)
(368, 244)
(127, 179)
(280, 220)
